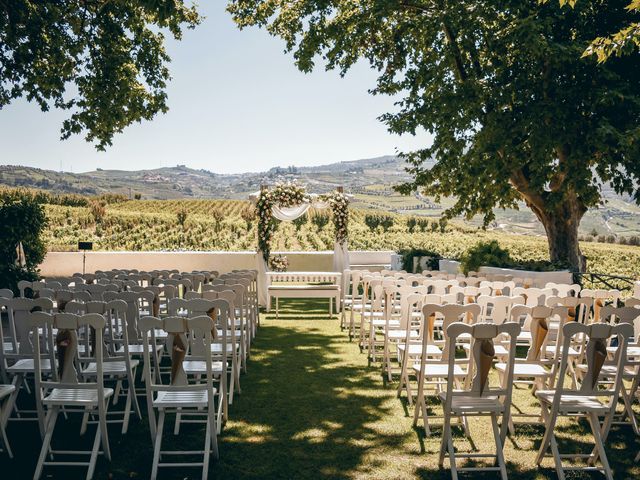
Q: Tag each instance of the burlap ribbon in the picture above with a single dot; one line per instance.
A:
(178, 352)
(571, 313)
(597, 305)
(468, 300)
(67, 348)
(156, 306)
(539, 336)
(598, 356)
(487, 354)
(431, 321)
(214, 316)
(497, 292)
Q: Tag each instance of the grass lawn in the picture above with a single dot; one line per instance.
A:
(311, 407)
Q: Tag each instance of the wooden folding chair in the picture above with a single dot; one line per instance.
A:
(587, 399)
(478, 398)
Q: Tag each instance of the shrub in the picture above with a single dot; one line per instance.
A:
(137, 196)
(634, 240)
(409, 254)
(23, 220)
(485, 254)
(611, 239)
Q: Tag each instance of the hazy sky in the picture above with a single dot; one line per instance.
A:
(237, 103)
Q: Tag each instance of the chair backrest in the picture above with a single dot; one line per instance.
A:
(598, 336)
(449, 313)
(6, 293)
(564, 289)
(180, 330)
(482, 353)
(65, 344)
(579, 307)
(600, 299)
(497, 309)
(630, 315)
(533, 296)
(18, 311)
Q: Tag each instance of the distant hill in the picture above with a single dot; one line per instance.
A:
(370, 180)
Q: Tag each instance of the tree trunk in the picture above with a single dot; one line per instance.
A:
(561, 223)
(560, 217)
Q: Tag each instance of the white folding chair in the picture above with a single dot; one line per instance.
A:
(478, 398)
(180, 394)
(587, 399)
(433, 370)
(67, 393)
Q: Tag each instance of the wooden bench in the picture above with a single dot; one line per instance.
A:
(301, 285)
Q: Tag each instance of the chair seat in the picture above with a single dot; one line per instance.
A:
(6, 390)
(400, 334)
(468, 404)
(26, 365)
(75, 396)
(195, 367)
(525, 370)
(137, 349)
(238, 333)
(196, 398)
(110, 368)
(573, 403)
(375, 314)
(550, 351)
(380, 322)
(500, 350)
(439, 370)
(415, 350)
(216, 348)
(632, 351)
(524, 337)
(8, 347)
(609, 371)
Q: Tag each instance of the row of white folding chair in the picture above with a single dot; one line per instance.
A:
(68, 392)
(235, 329)
(631, 372)
(589, 398)
(191, 389)
(226, 358)
(119, 364)
(554, 403)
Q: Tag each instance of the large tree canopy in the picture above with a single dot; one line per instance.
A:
(103, 60)
(515, 110)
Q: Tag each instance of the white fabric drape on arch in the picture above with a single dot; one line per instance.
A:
(289, 214)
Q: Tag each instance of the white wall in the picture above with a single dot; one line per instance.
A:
(61, 264)
(451, 266)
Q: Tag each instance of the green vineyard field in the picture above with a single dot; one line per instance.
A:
(148, 225)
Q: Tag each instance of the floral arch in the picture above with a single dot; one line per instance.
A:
(287, 202)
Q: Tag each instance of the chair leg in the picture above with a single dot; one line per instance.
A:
(157, 445)
(595, 428)
(3, 432)
(50, 422)
(94, 452)
(207, 447)
(499, 452)
(446, 432)
(548, 434)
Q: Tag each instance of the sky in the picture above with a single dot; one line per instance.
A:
(237, 103)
